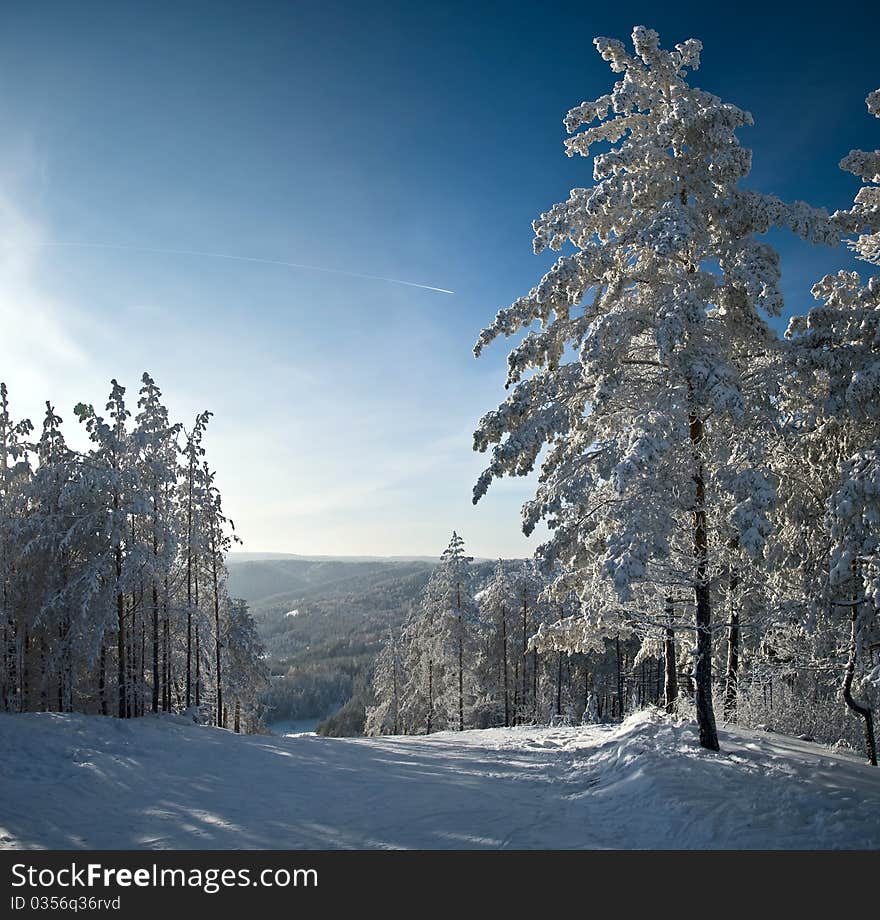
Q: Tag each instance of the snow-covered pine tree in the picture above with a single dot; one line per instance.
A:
(246, 671)
(155, 443)
(94, 545)
(457, 627)
(497, 603)
(864, 217)
(46, 553)
(384, 716)
(421, 675)
(115, 477)
(645, 392)
(220, 535)
(557, 610)
(15, 604)
(441, 662)
(841, 341)
(527, 588)
(192, 489)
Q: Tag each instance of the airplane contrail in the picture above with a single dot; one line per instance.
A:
(234, 258)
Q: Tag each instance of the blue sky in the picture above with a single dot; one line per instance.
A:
(394, 139)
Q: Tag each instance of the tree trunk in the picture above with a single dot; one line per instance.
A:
(24, 696)
(460, 678)
(730, 680)
(120, 638)
(129, 664)
(189, 582)
(620, 706)
(44, 679)
(237, 717)
(504, 650)
(586, 689)
(166, 690)
(534, 684)
(218, 643)
(155, 648)
(559, 686)
(143, 666)
(430, 694)
(522, 699)
(860, 708)
(396, 725)
(515, 718)
(102, 679)
(703, 623)
(198, 668)
(670, 687)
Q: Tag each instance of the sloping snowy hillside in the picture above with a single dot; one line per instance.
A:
(69, 781)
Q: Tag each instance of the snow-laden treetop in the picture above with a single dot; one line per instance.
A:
(649, 329)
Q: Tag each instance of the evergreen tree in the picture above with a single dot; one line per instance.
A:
(836, 350)
(155, 442)
(246, 672)
(497, 602)
(384, 716)
(101, 551)
(643, 379)
(15, 474)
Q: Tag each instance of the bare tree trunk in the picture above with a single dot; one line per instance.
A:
(515, 719)
(731, 677)
(670, 688)
(559, 686)
(237, 723)
(155, 648)
(586, 688)
(218, 643)
(198, 668)
(189, 582)
(620, 702)
(131, 662)
(522, 701)
(166, 644)
(143, 666)
(44, 678)
(860, 708)
(504, 652)
(120, 637)
(430, 694)
(703, 623)
(396, 725)
(460, 678)
(24, 698)
(534, 684)
(102, 679)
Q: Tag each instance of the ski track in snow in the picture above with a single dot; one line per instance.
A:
(73, 781)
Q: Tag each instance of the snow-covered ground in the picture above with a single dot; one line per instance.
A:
(70, 781)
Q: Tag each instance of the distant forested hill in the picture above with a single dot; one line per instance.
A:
(323, 621)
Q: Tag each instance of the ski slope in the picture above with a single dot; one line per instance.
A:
(73, 781)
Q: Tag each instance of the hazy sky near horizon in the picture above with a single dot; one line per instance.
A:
(403, 140)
